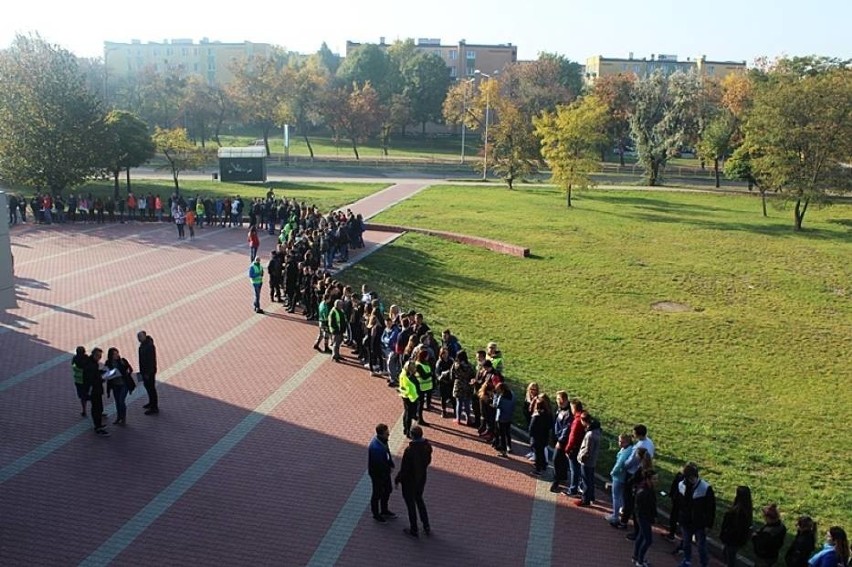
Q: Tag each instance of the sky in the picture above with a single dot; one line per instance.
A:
(723, 30)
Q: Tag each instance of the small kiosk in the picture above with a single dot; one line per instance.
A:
(242, 164)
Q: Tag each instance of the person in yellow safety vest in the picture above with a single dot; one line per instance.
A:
(410, 395)
(255, 274)
(199, 211)
(495, 356)
(424, 382)
(77, 364)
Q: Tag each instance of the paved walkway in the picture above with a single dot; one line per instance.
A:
(258, 455)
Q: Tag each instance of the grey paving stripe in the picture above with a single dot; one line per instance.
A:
(5, 328)
(107, 242)
(57, 442)
(337, 537)
(132, 326)
(125, 535)
(542, 520)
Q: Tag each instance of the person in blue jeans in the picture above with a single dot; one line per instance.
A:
(646, 513)
(117, 383)
(697, 513)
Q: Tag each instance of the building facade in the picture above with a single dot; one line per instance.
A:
(600, 66)
(209, 59)
(463, 58)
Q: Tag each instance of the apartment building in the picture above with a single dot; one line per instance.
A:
(600, 66)
(462, 58)
(210, 59)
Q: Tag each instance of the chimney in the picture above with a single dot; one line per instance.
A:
(630, 56)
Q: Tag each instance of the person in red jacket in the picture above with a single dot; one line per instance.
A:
(575, 439)
(253, 242)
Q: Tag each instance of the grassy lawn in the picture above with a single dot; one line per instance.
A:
(753, 383)
(325, 195)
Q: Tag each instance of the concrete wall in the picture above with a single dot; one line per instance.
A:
(7, 279)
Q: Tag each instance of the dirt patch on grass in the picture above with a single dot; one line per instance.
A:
(671, 307)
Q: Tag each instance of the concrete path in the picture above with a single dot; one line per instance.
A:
(258, 455)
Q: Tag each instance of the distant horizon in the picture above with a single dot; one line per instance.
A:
(731, 31)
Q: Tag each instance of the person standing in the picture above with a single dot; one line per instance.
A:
(803, 544)
(336, 325)
(148, 371)
(769, 539)
(618, 474)
(118, 383)
(835, 552)
(541, 424)
(255, 274)
(379, 467)
(95, 385)
(697, 513)
(646, 512)
(561, 429)
(253, 242)
(412, 475)
(588, 457)
(78, 364)
(275, 267)
(180, 220)
(736, 525)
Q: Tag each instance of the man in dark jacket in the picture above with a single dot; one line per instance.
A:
(697, 513)
(94, 384)
(379, 466)
(148, 371)
(412, 476)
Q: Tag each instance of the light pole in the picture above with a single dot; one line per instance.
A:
(487, 113)
(464, 112)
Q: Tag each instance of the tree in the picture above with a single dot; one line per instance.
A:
(569, 141)
(616, 91)
(200, 108)
(738, 166)
(514, 147)
(129, 144)
(570, 73)
(367, 63)
(258, 90)
(663, 119)
(715, 143)
(51, 125)
(327, 59)
(802, 125)
(356, 115)
(304, 85)
(538, 86)
(426, 80)
(180, 153)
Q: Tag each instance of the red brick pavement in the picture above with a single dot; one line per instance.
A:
(273, 496)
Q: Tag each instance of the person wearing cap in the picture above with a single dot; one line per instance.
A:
(255, 274)
(769, 539)
(697, 513)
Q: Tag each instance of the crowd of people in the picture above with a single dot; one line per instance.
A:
(95, 377)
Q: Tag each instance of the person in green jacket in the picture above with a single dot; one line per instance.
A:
(255, 274)
(322, 315)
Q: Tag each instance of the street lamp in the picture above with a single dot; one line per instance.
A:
(487, 113)
(464, 113)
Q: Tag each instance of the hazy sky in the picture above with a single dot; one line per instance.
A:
(721, 30)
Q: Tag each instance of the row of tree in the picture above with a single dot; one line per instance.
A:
(785, 126)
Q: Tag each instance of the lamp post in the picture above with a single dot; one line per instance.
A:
(487, 113)
(464, 113)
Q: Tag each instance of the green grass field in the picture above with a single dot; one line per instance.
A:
(753, 382)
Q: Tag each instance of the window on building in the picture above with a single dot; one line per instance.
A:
(211, 65)
(195, 67)
(184, 51)
(471, 71)
(454, 54)
(471, 54)
(453, 72)
(168, 52)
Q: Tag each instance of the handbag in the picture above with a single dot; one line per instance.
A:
(129, 382)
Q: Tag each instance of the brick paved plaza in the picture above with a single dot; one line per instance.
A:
(258, 456)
